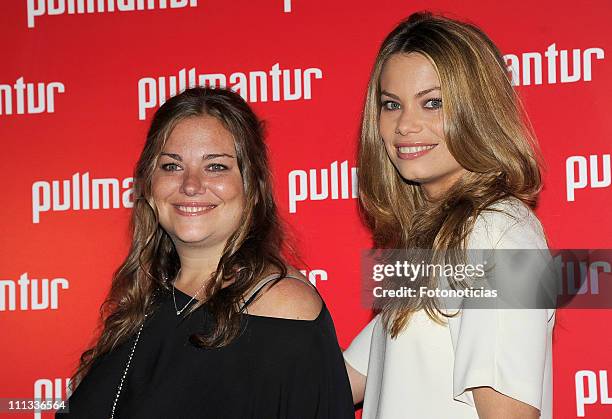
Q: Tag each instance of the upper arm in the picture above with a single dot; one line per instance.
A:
(289, 298)
(357, 381)
(491, 404)
(357, 358)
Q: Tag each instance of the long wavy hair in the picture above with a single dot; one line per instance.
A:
(485, 129)
(152, 261)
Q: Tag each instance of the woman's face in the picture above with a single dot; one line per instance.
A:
(411, 123)
(197, 186)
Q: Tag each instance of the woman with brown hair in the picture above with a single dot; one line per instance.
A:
(448, 161)
(204, 318)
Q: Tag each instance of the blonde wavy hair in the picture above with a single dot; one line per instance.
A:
(486, 130)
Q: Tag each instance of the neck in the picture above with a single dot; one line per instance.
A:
(436, 189)
(197, 265)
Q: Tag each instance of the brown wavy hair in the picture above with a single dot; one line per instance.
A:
(485, 129)
(152, 261)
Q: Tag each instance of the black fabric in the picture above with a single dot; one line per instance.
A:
(276, 368)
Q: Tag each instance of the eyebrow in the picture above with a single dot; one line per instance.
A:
(204, 157)
(419, 94)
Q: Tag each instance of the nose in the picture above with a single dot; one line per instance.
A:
(408, 122)
(193, 183)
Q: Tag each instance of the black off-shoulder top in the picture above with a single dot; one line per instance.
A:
(276, 368)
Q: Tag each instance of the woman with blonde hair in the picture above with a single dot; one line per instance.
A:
(448, 161)
(205, 318)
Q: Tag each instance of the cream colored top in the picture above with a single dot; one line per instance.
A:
(427, 370)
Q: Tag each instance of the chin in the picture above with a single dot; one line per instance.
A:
(190, 236)
(413, 176)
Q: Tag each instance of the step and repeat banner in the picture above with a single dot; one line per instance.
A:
(80, 80)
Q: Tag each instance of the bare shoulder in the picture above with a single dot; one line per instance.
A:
(289, 298)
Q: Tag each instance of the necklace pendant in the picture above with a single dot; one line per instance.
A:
(178, 313)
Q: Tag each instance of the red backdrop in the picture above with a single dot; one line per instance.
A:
(80, 80)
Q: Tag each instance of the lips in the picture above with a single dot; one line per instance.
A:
(190, 209)
(413, 150)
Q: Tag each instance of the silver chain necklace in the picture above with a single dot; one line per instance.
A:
(125, 371)
(178, 312)
(129, 361)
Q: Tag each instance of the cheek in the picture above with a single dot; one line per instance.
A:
(436, 129)
(391, 152)
(446, 158)
(386, 125)
(436, 126)
(227, 188)
(161, 187)
(156, 189)
(386, 134)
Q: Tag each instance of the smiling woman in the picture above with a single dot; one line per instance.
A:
(205, 318)
(411, 123)
(447, 162)
(197, 187)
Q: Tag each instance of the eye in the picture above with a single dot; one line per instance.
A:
(216, 167)
(390, 105)
(170, 167)
(435, 103)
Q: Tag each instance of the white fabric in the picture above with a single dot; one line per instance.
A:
(427, 371)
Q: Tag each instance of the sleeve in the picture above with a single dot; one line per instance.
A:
(502, 349)
(508, 350)
(357, 354)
